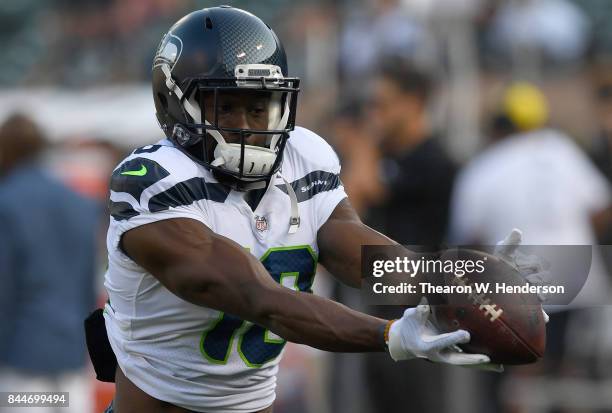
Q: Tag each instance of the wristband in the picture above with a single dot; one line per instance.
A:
(385, 333)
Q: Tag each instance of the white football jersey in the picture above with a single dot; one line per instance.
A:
(196, 357)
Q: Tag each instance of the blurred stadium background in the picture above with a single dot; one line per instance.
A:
(81, 70)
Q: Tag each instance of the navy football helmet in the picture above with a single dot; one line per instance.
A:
(216, 65)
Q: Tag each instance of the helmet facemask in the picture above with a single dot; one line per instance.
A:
(240, 124)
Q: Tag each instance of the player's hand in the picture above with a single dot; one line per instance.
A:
(531, 267)
(415, 336)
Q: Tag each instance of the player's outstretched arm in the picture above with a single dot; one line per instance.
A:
(210, 270)
(340, 240)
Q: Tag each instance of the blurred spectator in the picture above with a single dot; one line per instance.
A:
(47, 265)
(417, 178)
(359, 154)
(601, 145)
(535, 178)
(601, 152)
(417, 174)
(531, 177)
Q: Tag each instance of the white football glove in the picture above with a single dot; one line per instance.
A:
(415, 336)
(531, 267)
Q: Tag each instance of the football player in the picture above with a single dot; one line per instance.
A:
(217, 229)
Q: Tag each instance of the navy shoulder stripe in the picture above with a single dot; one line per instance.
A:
(121, 211)
(187, 192)
(136, 175)
(313, 183)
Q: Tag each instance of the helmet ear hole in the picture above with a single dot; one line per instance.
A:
(163, 101)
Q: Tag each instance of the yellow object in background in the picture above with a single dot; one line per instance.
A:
(526, 106)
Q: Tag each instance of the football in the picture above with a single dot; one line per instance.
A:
(508, 327)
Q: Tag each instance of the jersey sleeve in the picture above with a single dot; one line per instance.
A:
(150, 188)
(332, 193)
(322, 182)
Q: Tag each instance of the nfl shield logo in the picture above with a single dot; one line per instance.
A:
(261, 223)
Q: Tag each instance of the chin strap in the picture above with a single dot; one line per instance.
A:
(173, 87)
(281, 125)
(294, 220)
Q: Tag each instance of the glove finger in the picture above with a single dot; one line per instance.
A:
(417, 316)
(539, 278)
(441, 341)
(509, 245)
(528, 264)
(422, 313)
(423, 301)
(546, 317)
(528, 269)
(515, 237)
(463, 359)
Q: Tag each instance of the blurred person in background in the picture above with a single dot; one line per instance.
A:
(411, 205)
(601, 144)
(47, 267)
(360, 155)
(534, 177)
(600, 149)
(417, 173)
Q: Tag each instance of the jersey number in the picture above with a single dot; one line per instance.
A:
(293, 267)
